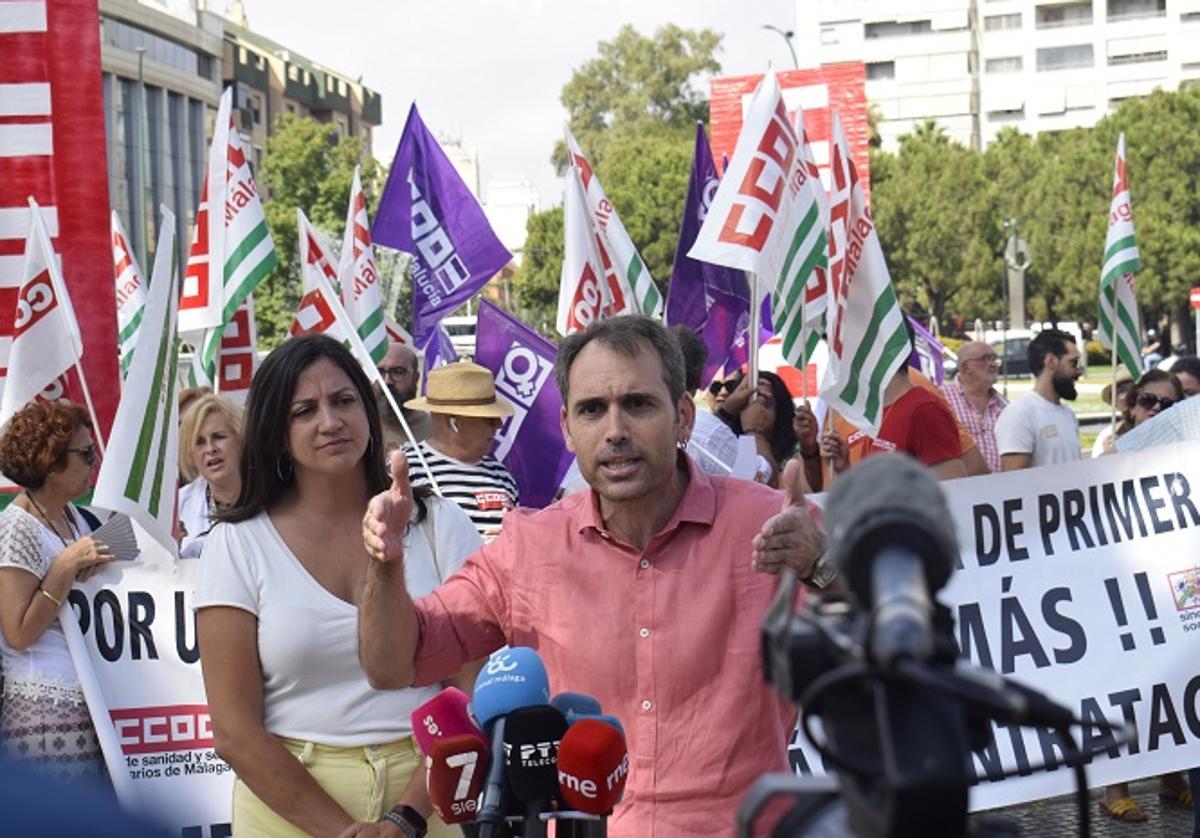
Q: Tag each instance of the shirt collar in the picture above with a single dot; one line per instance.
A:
(698, 505)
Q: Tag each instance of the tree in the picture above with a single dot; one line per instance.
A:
(536, 281)
(305, 166)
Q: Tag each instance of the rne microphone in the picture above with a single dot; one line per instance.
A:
(446, 714)
(607, 718)
(892, 539)
(593, 766)
(455, 770)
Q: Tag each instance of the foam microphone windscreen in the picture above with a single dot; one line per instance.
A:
(456, 769)
(607, 718)
(511, 678)
(593, 765)
(446, 714)
(575, 704)
(531, 737)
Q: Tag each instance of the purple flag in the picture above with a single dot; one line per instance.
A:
(530, 442)
(928, 353)
(712, 299)
(427, 210)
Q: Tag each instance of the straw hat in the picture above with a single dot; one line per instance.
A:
(1123, 377)
(462, 389)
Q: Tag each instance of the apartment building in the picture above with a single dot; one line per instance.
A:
(976, 66)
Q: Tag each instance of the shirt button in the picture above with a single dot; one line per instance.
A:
(604, 534)
(644, 564)
(645, 632)
(647, 705)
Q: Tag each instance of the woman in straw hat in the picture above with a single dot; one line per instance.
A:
(461, 399)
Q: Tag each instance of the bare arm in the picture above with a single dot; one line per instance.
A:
(228, 640)
(949, 469)
(387, 628)
(1015, 462)
(974, 462)
(25, 612)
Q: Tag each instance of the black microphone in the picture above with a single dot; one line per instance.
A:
(531, 738)
(892, 539)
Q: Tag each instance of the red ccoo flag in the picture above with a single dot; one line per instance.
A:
(593, 765)
(456, 770)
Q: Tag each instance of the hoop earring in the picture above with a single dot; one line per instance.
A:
(682, 444)
(283, 458)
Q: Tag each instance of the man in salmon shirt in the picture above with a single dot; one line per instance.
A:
(646, 591)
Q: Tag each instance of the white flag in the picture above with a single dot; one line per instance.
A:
(141, 470)
(358, 276)
(1118, 303)
(131, 294)
(202, 299)
(586, 292)
(46, 341)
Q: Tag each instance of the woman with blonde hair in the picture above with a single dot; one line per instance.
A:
(210, 451)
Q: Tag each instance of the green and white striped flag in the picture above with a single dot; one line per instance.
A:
(358, 278)
(141, 467)
(1118, 303)
(131, 294)
(623, 264)
(867, 337)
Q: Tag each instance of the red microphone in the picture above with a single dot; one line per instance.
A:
(456, 770)
(593, 766)
(446, 714)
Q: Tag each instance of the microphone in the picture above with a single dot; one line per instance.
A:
(891, 538)
(593, 765)
(575, 704)
(446, 714)
(455, 770)
(531, 738)
(511, 679)
(606, 718)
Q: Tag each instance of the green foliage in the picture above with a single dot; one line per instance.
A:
(536, 282)
(305, 166)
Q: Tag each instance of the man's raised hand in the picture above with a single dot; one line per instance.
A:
(790, 538)
(388, 515)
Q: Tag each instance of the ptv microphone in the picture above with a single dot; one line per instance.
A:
(511, 678)
(593, 766)
(891, 536)
(575, 704)
(456, 769)
(531, 737)
(446, 714)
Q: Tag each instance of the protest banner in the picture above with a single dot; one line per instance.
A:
(530, 442)
(51, 127)
(1081, 581)
(133, 643)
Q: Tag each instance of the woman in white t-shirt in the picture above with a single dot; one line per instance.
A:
(314, 746)
(210, 449)
(48, 451)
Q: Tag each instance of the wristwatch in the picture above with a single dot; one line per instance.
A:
(408, 819)
(823, 573)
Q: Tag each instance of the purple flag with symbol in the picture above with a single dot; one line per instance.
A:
(712, 299)
(928, 353)
(530, 442)
(426, 210)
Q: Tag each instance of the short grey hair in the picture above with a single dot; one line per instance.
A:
(625, 335)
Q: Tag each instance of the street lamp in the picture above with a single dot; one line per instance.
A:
(787, 38)
(139, 172)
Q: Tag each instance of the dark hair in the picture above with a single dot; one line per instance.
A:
(36, 441)
(625, 335)
(1187, 363)
(266, 468)
(1131, 395)
(695, 354)
(783, 435)
(1045, 341)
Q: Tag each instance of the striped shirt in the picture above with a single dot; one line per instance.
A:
(981, 426)
(484, 490)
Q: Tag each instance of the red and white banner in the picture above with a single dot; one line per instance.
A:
(51, 126)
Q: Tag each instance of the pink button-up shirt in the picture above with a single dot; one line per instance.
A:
(666, 638)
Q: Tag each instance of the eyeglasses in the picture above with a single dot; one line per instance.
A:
(88, 454)
(394, 372)
(1149, 401)
(728, 385)
(987, 360)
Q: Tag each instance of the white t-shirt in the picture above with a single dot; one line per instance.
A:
(193, 515)
(314, 688)
(1034, 425)
(28, 544)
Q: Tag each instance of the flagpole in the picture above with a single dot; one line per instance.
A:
(755, 327)
(416, 443)
(1112, 422)
(87, 397)
(803, 345)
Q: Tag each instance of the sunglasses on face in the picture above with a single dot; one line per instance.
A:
(88, 454)
(728, 385)
(1148, 401)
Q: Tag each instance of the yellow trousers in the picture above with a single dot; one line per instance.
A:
(366, 781)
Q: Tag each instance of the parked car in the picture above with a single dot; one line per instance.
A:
(1015, 362)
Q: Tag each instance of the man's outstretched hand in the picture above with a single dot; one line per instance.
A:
(790, 538)
(388, 515)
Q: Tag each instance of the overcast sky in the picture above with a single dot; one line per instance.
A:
(490, 71)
